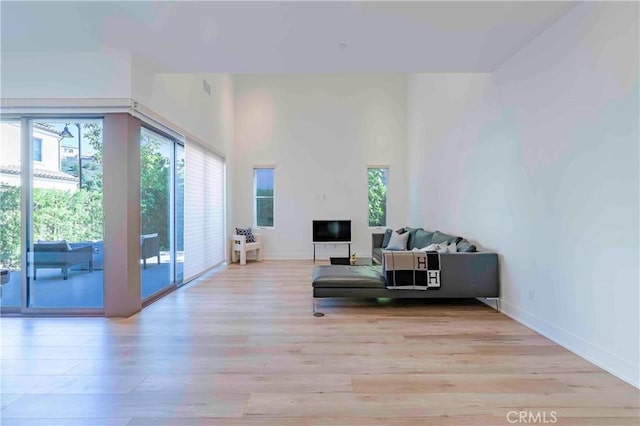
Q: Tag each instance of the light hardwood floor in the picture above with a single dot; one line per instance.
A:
(241, 347)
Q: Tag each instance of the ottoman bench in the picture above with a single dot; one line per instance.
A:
(356, 281)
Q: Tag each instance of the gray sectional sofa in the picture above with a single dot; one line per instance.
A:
(464, 274)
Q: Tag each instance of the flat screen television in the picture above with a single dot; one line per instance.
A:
(331, 231)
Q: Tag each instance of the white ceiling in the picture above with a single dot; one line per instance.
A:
(285, 37)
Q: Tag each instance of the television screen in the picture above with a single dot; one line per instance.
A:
(327, 231)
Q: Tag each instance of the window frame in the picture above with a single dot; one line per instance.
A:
(37, 151)
(256, 196)
(386, 200)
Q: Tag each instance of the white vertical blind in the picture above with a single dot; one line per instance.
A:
(203, 210)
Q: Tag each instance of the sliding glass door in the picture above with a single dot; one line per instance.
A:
(10, 214)
(51, 214)
(161, 212)
(65, 239)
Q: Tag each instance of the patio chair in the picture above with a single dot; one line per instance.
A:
(60, 254)
(149, 247)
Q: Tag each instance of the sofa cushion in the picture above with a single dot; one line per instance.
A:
(421, 238)
(412, 234)
(465, 246)
(441, 237)
(398, 241)
(439, 247)
(343, 276)
(386, 238)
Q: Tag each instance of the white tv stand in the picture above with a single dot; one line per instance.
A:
(330, 242)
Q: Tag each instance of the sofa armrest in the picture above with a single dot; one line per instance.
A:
(461, 274)
(376, 240)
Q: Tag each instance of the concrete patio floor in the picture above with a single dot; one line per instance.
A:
(83, 289)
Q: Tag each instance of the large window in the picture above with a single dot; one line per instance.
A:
(263, 179)
(378, 178)
(37, 149)
(204, 211)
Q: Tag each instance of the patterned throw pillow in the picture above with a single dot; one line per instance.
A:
(246, 232)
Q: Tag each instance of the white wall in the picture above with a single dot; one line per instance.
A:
(320, 132)
(539, 162)
(65, 75)
(180, 98)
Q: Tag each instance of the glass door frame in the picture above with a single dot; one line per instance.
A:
(26, 214)
(173, 222)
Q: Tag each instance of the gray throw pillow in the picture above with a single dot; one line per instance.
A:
(441, 237)
(386, 238)
(422, 238)
(412, 233)
(465, 246)
(398, 241)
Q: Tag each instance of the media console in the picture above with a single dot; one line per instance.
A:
(332, 242)
(331, 232)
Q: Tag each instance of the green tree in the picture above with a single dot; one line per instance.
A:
(154, 189)
(10, 226)
(377, 196)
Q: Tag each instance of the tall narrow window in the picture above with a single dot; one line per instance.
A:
(263, 179)
(378, 178)
(37, 149)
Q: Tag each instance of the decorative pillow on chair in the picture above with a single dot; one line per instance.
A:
(247, 232)
(398, 241)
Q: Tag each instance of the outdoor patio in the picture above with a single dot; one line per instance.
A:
(83, 289)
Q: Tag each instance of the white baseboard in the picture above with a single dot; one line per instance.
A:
(604, 359)
(288, 256)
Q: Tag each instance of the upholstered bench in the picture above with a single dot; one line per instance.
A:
(349, 281)
(345, 276)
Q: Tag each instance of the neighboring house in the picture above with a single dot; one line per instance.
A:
(46, 158)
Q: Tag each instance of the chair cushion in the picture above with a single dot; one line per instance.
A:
(61, 245)
(247, 232)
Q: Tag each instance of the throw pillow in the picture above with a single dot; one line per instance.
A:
(422, 238)
(441, 237)
(386, 238)
(412, 233)
(247, 232)
(398, 241)
(465, 246)
(440, 248)
(451, 248)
